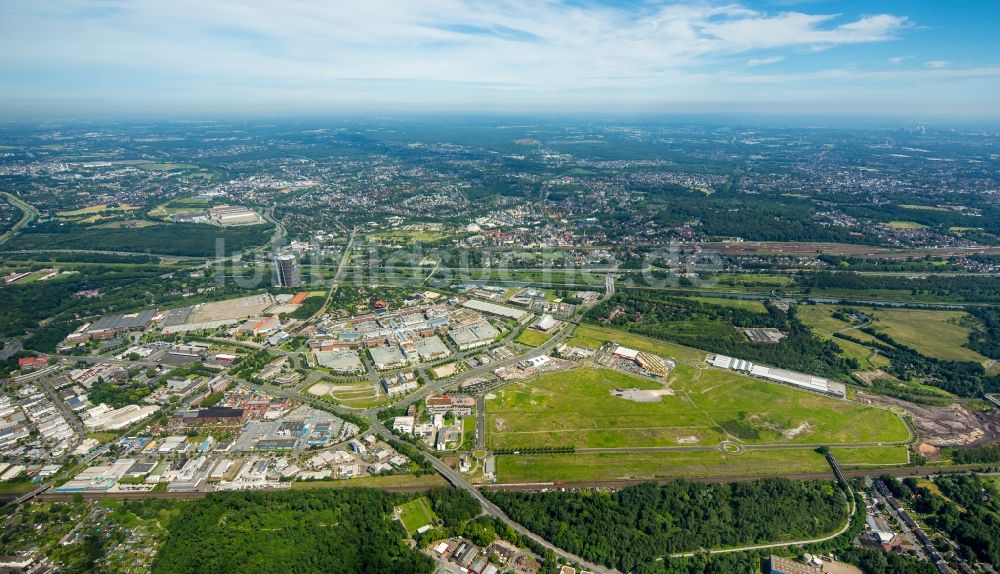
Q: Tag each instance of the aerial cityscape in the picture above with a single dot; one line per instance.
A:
(568, 288)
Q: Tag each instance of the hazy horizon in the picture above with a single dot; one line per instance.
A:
(138, 58)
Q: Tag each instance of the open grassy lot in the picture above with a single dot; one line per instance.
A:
(923, 207)
(468, 433)
(747, 304)
(17, 487)
(533, 338)
(820, 319)
(905, 225)
(393, 481)
(416, 514)
(871, 456)
(593, 337)
(95, 209)
(938, 334)
(358, 395)
(102, 437)
(410, 236)
(166, 166)
(706, 464)
(576, 408)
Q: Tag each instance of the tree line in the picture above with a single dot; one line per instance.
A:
(323, 530)
(714, 328)
(637, 525)
(962, 378)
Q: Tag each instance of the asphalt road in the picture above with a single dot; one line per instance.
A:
(491, 509)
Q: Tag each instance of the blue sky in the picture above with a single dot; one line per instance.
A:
(917, 58)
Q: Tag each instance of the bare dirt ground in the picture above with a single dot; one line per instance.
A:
(954, 425)
(789, 434)
(251, 306)
(870, 376)
(320, 389)
(641, 395)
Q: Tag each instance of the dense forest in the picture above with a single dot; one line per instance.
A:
(987, 453)
(118, 396)
(843, 263)
(878, 562)
(714, 328)
(637, 525)
(986, 342)
(753, 218)
(349, 531)
(190, 239)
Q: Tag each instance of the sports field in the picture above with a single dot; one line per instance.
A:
(416, 514)
(576, 408)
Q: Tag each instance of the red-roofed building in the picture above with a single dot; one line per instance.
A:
(33, 362)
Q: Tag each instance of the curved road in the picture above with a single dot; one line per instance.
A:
(489, 508)
(847, 525)
(28, 214)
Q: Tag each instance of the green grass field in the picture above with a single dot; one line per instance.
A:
(707, 464)
(937, 334)
(593, 337)
(533, 338)
(95, 209)
(871, 456)
(575, 408)
(416, 514)
(747, 304)
(166, 166)
(392, 481)
(102, 437)
(820, 319)
(905, 225)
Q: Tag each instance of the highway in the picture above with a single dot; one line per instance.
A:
(28, 214)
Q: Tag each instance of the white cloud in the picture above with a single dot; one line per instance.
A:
(938, 64)
(443, 53)
(765, 61)
(897, 60)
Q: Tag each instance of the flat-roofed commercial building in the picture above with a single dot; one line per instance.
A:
(432, 348)
(387, 357)
(494, 309)
(474, 336)
(340, 360)
(400, 384)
